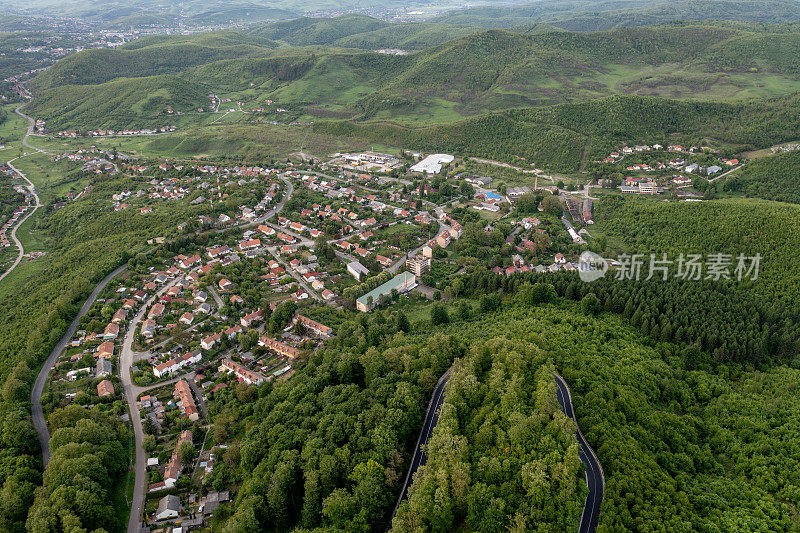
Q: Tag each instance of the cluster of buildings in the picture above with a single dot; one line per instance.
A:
(183, 394)
(243, 374)
(174, 468)
(5, 229)
(110, 133)
(374, 161)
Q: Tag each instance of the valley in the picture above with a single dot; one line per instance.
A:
(405, 268)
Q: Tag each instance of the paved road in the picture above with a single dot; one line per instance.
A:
(295, 275)
(132, 392)
(217, 298)
(734, 169)
(21, 250)
(31, 188)
(402, 261)
(38, 387)
(275, 210)
(431, 418)
(31, 124)
(595, 479)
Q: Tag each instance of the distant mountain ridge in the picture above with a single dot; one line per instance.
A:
(594, 15)
(480, 72)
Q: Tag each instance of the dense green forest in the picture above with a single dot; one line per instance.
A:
(503, 454)
(721, 226)
(691, 444)
(330, 447)
(772, 178)
(668, 423)
(83, 477)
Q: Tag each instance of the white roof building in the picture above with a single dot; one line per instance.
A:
(432, 164)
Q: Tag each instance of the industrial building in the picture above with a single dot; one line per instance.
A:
(402, 282)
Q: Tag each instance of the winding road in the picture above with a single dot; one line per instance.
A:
(32, 190)
(595, 479)
(431, 418)
(41, 380)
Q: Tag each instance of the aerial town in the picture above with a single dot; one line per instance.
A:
(296, 266)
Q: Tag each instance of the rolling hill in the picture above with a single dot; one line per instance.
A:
(556, 137)
(772, 178)
(593, 15)
(487, 71)
(122, 103)
(149, 56)
(361, 31)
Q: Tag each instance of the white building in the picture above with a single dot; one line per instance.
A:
(432, 164)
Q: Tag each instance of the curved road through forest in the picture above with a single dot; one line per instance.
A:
(431, 418)
(595, 479)
(38, 387)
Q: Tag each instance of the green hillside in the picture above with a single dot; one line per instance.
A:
(721, 226)
(411, 36)
(247, 12)
(773, 178)
(123, 103)
(487, 71)
(361, 31)
(149, 56)
(498, 69)
(555, 137)
(584, 15)
(306, 31)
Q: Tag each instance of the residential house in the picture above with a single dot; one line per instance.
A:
(111, 331)
(243, 374)
(208, 342)
(156, 311)
(247, 320)
(279, 347)
(149, 328)
(105, 389)
(119, 316)
(104, 368)
(169, 507)
(106, 350)
(314, 326)
(183, 393)
(173, 470)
